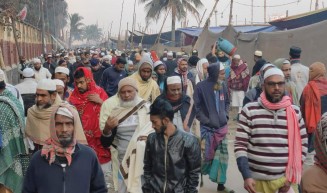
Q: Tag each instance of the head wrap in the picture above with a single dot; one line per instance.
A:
(199, 68)
(146, 60)
(174, 80)
(61, 69)
(47, 84)
(273, 71)
(127, 82)
(317, 70)
(53, 148)
(28, 72)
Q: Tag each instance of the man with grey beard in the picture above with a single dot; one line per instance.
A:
(38, 116)
(125, 125)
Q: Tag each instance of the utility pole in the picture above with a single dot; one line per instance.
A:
(216, 17)
(231, 12)
(43, 29)
(133, 26)
(265, 11)
(317, 5)
(252, 12)
(121, 17)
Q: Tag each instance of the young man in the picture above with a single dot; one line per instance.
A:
(63, 165)
(172, 160)
(271, 140)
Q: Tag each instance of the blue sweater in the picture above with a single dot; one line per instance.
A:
(110, 79)
(205, 101)
(84, 175)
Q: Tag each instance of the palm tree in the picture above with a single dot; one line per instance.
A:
(178, 8)
(75, 27)
(92, 32)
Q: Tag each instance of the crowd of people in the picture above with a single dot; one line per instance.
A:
(90, 119)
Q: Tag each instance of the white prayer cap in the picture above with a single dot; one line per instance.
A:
(49, 56)
(237, 57)
(170, 54)
(107, 57)
(129, 62)
(118, 53)
(28, 72)
(65, 112)
(286, 62)
(59, 82)
(264, 67)
(2, 76)
(36, 60)
(61, 69)
(157, 63)
(221, 66)
(47, 84)
(174, 80)
(258, 53)
(273, 71)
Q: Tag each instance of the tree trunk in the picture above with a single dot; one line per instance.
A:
(173, 24)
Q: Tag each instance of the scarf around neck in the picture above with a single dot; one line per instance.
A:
(294, 166)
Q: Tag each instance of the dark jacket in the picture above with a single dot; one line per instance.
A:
(110, 80)
(171, 65)
(84, 175)
(97, 75)
(205, 103)
(178, 163)
(50, 66)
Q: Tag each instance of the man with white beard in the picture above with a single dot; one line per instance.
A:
(125, 124)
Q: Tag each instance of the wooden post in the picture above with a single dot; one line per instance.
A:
(231, 13)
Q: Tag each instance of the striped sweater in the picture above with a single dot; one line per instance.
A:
(262, 139)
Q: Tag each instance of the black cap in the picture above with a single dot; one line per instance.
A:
(295, 52)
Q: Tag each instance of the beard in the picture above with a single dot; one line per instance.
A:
(129, 104)
(273, 99)
(65, 142)
(162, 129)
(45, 106)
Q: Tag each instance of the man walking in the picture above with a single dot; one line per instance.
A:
(63, 165)
(271, 140)
(172, 158)
(125, 122)
(212, 106)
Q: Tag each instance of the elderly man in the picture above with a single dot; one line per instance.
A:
(212, 106)
(40, 71)
(172, 161)
(299, 73)
(314, 103)
(60, 88)
(13, 164)
(271, 139)
(63, 74)
(27, 88)
(184, 110)
(125, 122)
(87, 97)
(112, 76)
(314, 178)
(238, 81)
(63, 164)
(147, 87)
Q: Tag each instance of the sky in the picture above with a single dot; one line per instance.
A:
(107, 12)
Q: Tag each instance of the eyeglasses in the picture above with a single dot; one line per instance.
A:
(274, 84)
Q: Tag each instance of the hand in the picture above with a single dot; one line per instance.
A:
(249, 185)
(285, 188)
(111, 123)
(94, 98)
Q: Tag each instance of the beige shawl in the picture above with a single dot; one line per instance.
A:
(38, 124)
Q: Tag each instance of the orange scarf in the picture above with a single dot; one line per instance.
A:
(294, 165)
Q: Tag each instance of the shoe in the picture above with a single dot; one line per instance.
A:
(226, 190)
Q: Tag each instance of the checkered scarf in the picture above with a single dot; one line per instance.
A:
(321, 143)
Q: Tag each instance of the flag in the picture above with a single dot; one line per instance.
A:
(22, 14)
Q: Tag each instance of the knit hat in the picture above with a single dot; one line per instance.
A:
(295, 52)
(28, 72)
(61, 69)
(47, 84)
(127, 82)
(146, 60)
(273, 71)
